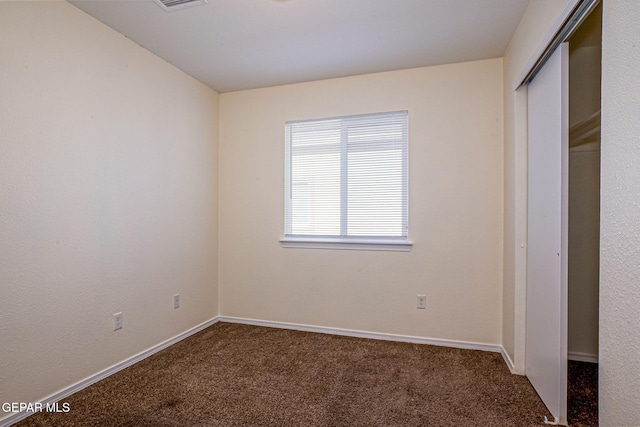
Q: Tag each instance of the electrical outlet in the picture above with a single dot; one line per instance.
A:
(422, 301)
(176, 301)
(117, 321)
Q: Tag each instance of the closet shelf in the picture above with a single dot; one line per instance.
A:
(585, 130)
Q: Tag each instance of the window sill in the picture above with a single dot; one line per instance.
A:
(358, 245)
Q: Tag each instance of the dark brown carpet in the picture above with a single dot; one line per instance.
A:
(239, 375)
(582, 394)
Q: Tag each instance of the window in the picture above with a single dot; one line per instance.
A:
(346, 182)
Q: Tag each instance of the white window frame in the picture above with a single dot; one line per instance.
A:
(385, 243)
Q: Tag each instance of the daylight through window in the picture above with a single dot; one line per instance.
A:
(346, 178)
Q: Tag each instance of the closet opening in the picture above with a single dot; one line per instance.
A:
(585, 53)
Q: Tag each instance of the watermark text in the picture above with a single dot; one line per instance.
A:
(15, 407)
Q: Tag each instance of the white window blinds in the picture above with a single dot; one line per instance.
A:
(346, 178)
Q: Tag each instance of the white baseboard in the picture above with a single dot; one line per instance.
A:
(583, 357)
(509, 362)
(371, 335)
(68, 391)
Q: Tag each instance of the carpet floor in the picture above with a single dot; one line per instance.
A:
(240, 375)
(582, 394)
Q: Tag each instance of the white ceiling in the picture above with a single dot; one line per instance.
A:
(244, 44)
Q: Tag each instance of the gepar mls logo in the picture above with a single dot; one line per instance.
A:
(16, 407)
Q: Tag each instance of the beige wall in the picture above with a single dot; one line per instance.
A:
(620, 216)
(532, 33)
(455, 208)
(108, 187)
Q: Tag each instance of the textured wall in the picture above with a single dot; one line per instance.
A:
(620, 216)
(455, 208)
(108, 198)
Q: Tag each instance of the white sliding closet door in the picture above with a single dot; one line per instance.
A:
(546, 328)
